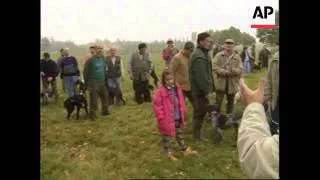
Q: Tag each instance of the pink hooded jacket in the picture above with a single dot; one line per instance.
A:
(164, 110)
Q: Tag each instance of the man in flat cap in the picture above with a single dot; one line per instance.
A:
(227, 71)
(169, 52)
(179, 66)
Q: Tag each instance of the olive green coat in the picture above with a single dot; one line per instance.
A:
(200, 72)
(220, 63)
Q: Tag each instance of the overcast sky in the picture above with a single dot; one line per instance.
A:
(83, 21)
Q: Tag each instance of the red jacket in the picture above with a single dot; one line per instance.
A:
(166, 54)
(163, 107)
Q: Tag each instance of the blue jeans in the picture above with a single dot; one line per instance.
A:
(69, 82)
(246, 67)
(114, 82)
(274, 123)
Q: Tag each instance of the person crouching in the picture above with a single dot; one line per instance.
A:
(169, 108)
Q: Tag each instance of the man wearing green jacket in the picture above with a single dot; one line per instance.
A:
(200, 75)
(94, 75)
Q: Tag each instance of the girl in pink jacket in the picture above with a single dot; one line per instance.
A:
(170, 109)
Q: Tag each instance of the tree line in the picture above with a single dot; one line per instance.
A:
(127, 47)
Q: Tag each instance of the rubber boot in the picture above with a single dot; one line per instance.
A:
(92, 116)
(111, 96)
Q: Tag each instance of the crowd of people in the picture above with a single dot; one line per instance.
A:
(191, 73)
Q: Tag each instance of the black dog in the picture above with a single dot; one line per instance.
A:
(116, 93)
(82, 88)
(78, 101)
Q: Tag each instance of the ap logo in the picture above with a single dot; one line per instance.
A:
(263, 17)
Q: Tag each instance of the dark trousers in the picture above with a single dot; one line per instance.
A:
(199, 111)
(230, 100)
(141, 88)
(155, 78)
(98, 89)
(179, 138)
(274, 123)
(187, 94)
(252, 64)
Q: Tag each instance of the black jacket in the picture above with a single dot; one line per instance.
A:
(49, 68)
(113, 70)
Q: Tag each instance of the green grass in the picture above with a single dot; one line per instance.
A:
(127, 144)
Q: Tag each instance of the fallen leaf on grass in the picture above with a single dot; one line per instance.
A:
(66, 173)
(142, 142)
(82, 157)
(84, 144)
(179, 173)
(89, 131)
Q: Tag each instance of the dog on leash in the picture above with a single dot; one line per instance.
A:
(78, 101)
(218, 121)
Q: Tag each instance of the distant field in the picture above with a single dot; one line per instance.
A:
(127, 145)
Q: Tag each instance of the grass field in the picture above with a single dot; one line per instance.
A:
(127, 145)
